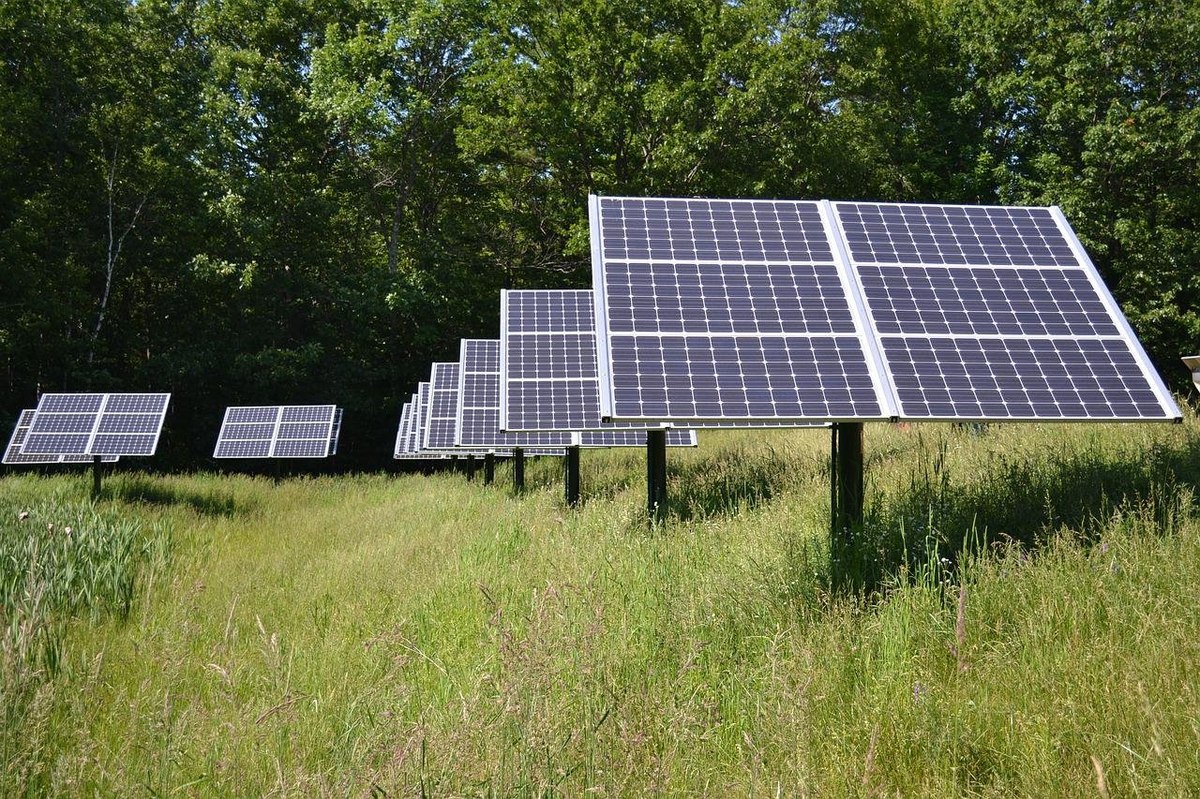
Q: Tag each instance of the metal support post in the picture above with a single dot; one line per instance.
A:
(518, 470)
(489, 468)
(572, 476)
(656, 474)
(97, 472)
(847, 488)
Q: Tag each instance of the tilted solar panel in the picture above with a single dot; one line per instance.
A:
(756, 309)
(13, 456)
(994, 313)
(479, 404)
(278, 431)
(727, 310)
(402, 430)
(87, 425)
(443, 401)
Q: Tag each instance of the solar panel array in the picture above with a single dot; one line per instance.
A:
(88, 425)
(278, 431)
(13, 456)
(479, 412)
(548, 380)
(794, 310)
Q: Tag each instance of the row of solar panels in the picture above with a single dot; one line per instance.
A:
(712, 313)
(457, 412)
(752, 313)
(77, 428)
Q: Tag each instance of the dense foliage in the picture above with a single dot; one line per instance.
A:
(288, 200)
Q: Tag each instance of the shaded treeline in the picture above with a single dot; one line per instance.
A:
(300, 201)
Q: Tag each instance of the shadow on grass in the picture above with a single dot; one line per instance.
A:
(1014, 501)
(136, 488)
(730, 482)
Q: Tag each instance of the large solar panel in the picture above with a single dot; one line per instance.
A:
(13, 456)
(796, 310)
(989, 312)
(87, 425)
(278, 431)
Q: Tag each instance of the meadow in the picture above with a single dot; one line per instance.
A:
(1018, 617)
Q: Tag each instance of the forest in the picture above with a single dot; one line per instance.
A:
(292, 201)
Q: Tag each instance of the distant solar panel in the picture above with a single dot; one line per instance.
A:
(13, 456)
(278, 431)
(402, 430)
(990, 312)
(87, 425)
(479, 404)
(795, 310)
(548, 359)
(443, 403)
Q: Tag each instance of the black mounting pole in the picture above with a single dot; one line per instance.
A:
(847, 490)
(470, 464)
(518, 470)
(656, 474)
(97, 470)
(572, 476)
(489, 468)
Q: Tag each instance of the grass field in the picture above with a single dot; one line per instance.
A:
(1025, 624)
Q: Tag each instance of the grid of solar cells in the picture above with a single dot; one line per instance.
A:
(995, 313)
(13, 456)
(727, 312)
(954, 234)
(479, 403)
(632, 438)
(548, 361)
(86, 425)
(277, 431)
(421, 421)
(443, 405)
(402, 430)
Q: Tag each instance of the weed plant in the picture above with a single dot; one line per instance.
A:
(60, 560)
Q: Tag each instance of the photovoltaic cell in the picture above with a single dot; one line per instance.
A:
(278, 431)
(85, 425)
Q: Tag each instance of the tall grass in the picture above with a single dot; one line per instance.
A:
(59, 560)
(1025, 626)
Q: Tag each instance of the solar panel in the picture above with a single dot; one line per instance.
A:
(13, 456)
(278, 431)
(991, 313)
(479, 404)
(87, 425)
(726, 310)
(548, 361)
(442, 421)
(402, 430)
(795, 310)
(406, 435)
